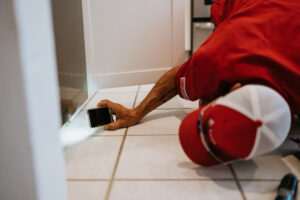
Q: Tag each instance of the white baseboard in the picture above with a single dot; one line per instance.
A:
(73, 80)
(128, 78)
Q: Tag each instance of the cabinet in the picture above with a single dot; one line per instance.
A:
(132, 42)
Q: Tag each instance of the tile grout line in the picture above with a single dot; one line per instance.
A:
(175, 179)
(178, 108)
(259, 180)
(120, 92)
(107, 195)
(161, 109)
(237, 182)
(115, 167)
(169, 179)
(86, 179)
(95, 93)
(170, 134)
(137, 93)
(152, 179)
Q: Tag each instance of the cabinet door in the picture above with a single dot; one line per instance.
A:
(132, 42)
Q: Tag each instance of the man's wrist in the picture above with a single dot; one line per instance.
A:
(137, 113)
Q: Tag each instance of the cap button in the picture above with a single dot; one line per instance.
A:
(258, 123)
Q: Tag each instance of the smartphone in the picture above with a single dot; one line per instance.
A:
(99, 116)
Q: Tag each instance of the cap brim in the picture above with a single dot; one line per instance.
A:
(191, 141)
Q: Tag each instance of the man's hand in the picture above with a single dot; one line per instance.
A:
(164, 90)
(124, 117)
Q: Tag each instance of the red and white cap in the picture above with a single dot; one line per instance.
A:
(249, 121)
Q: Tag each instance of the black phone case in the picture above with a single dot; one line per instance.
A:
(99, 116)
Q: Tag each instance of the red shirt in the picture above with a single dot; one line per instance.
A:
(256, 41)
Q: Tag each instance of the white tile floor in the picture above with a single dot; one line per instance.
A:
(146, 161)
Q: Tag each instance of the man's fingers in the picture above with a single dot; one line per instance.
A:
(114, 126)
(107, 103)
(235, 86)
(104, 103)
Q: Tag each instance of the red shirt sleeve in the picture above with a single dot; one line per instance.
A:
(203, 75)
(200, 78)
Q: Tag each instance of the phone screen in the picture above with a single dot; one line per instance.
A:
(99, 116)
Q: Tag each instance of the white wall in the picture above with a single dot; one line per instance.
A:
(69, 38)
(31, 166)
(134, 41)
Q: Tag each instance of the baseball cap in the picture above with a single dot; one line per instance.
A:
(249, 121)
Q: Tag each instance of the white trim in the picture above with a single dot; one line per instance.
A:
(71, 74)
(129, 78)
(187, 25)
(88, 42)
(136, 71)
(73, 80)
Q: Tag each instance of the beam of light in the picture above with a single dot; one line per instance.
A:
(76, 130)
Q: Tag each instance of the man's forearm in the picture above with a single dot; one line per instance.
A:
(164, 90)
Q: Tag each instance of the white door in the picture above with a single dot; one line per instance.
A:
(31, 166)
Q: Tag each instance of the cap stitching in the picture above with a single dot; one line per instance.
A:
(254, 102)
